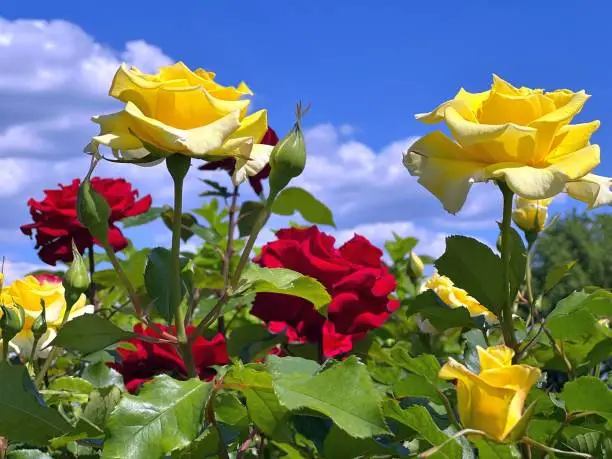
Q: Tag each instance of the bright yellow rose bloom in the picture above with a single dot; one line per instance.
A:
(519, 135)
(493, 400)
(28, 293)
(182, 111)
(530, 215)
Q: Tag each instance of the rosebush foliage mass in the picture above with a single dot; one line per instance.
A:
(304, 347)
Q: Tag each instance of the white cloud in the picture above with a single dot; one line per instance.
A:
(15, 269)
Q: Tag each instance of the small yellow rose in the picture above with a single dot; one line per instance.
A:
(456, 297)
(530, 215)
(182, 111)
(493, 400)
(28, 292)
(519, 135)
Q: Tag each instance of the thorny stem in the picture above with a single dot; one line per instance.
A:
(506, 319)
(229, 251)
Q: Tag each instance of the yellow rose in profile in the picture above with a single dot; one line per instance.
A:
(456, 297)
(530, 215)
(518, 135)
(182, 111)
(28, 292)
(493, 400)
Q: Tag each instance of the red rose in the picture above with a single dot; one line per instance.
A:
(354, 276)
(151, 359)
(56, 223)
(270, 138)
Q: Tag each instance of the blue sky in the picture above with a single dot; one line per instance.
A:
(366, 68)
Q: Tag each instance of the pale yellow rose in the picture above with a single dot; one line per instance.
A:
(493, 400)
(182, 111)
(519, 135)
(28, 293)
(530, 215)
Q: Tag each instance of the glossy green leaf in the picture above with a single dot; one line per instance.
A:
(101, 376)
(288, 282)
(429, 306)
(23, 416)
(89, 333)
(358, 412)
(588, 394)
(557, 273)
(206, 446)
(165, 415)
(157, 275)
(248, 215)
(151, 215)
(467, 262)
(294, 199)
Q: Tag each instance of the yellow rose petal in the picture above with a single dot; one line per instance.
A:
(592, 189)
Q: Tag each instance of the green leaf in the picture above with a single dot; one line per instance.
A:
(358, 411)
(418, 419)
(294, 199)
(280, 366)
(101, 376)
(157, 273)
(556, 274)
(207, 234)
(490, 450)
(340, 445)
(249, 213)
(96, 413)
(281, 280)
(573, 319)
(167, 414)
(467, 262)
(400, 247)
(72, 384)
(152, 214)
(229, 410)
(597, 444)
(206, 446)
(27, 454)
(588, 394)
(89, 333)
(187, 221)
(251, 341)
(416, 386)
(440, 315)
(262, 403)
(23, 416)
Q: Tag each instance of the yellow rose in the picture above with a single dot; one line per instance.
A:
(182, 111)
(456, 297)
(519, 135)
(493, 400)
(530, 215)
(28, 292)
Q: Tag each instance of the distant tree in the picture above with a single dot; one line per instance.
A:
(586, 238)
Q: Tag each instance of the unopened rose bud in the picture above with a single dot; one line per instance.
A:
(530, 215)
(416, 267)
(93, 211)
(39, 326)
(76, 278)
(12, 321)
(288, 157)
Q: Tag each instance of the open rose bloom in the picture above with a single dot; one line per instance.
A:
(518, 135)
(178, 110)
(28, 293)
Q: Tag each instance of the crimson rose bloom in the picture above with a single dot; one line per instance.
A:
(56, 223)
(151, 359)
(270, 138)
(354, 276)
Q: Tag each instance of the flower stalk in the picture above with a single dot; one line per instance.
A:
(506, 316)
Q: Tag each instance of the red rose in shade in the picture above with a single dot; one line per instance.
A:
(354, 275)
(270, 138)
(56, 223)
(151, 359)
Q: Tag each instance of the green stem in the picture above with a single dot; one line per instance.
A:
(40, 377)
(110, 253)
(178, 165)
(449, 410)
(553, 451)
(5, 350)
(32, 358)
(506, 319)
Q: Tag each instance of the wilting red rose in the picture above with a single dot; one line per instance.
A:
(354, 275)
(151, 359)
(56, 223)
(270, 138)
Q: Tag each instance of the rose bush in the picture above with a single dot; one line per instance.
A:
(218, 349)
(354, 275)
(56, 225)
